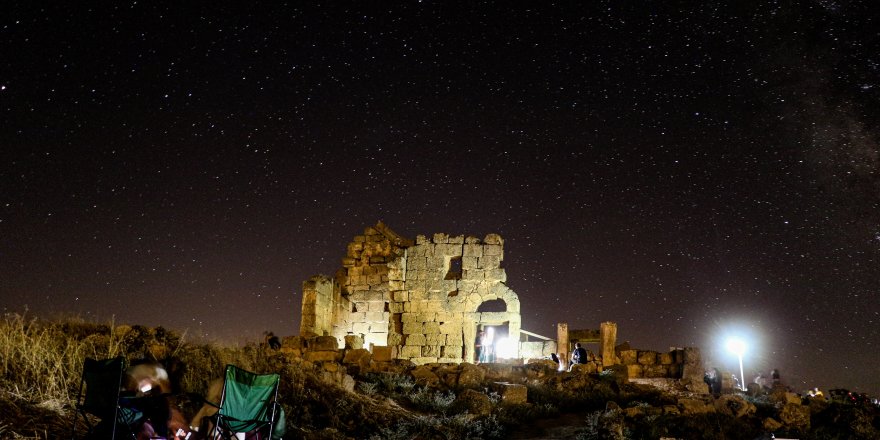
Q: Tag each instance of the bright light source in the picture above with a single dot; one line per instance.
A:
(505, 348)
(736, 346)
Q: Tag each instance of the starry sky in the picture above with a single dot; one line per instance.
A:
(689, 170)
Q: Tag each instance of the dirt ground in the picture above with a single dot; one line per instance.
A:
(565, 426)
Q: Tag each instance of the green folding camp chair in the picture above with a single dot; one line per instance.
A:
(102, 381)
(249, 405)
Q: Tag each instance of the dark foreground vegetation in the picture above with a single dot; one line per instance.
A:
(41, 363)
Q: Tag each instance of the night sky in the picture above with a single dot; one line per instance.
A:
(686, 171)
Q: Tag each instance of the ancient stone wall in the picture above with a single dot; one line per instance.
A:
(652, 364)
(419, 298)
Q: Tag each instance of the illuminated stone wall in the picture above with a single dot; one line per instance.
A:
(420, 298)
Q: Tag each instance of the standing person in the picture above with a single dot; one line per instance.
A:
(487, 349)
(478, 346)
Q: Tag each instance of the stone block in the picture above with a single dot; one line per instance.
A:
(795, 415)
(647, 357)
(295, 342)
(470, 263)
(354, 342)
(512, 393)
(454, 338)
(496, 275)
(435, 339)
(431, 327)
(587, 368)
(322, 356)
(667, 358)
(381, 353)
(633, 371)
(489, 262)
(458, 239)
(655, 370)
(376, 339)
(412, 317)
(441, 317)
(356, 356)
(450, 327)
(380, 327)
(290, 353)
(412, 327)
(424, 360)
(416, 339)
(440, 238)
(410, 351)
(376, 317)
(471, 250)
(694, 406)
(629, 357)
(473, 274)
(400, 295)
(492, 250)
(360, 328)
(431, 351)
(376, 306)
(451, 351)
(323, 343)
(395, 339)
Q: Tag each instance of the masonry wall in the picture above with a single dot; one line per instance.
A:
(420, 298)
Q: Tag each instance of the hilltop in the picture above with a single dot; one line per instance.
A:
(331, 393)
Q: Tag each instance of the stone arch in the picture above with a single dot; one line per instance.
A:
(511, 316)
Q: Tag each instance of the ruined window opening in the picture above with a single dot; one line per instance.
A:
(397, 322)
(454, 272)
(494, 305)
(387, 307)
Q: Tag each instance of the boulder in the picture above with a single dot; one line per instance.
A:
(323, 343)
(694, 406)
(354, 342)
(587, 368)
(511, 392)
(474, 402)
(771, 424)
(734, 406)
(795, 416)
(471, 376)
(425, 376)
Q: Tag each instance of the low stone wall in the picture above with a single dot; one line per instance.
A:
(536, 349)
(652, 364)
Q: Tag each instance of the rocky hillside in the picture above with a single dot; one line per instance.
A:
(330, 393)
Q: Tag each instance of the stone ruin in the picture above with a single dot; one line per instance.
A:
(420, 299)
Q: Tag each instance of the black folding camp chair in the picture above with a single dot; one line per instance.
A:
(248, 405)
(102, 381)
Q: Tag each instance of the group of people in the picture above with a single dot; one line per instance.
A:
(150, 392)
(771, 380)
(579, 355)
(485, 346)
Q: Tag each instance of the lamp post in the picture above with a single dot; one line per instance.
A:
(738, 347)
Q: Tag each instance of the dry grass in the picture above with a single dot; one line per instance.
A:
(41, 368)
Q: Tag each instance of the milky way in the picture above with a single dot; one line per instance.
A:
(687, 173)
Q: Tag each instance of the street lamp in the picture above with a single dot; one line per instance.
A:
(738, 347)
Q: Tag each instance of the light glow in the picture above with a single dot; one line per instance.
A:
(738, 347)
(505, 348)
